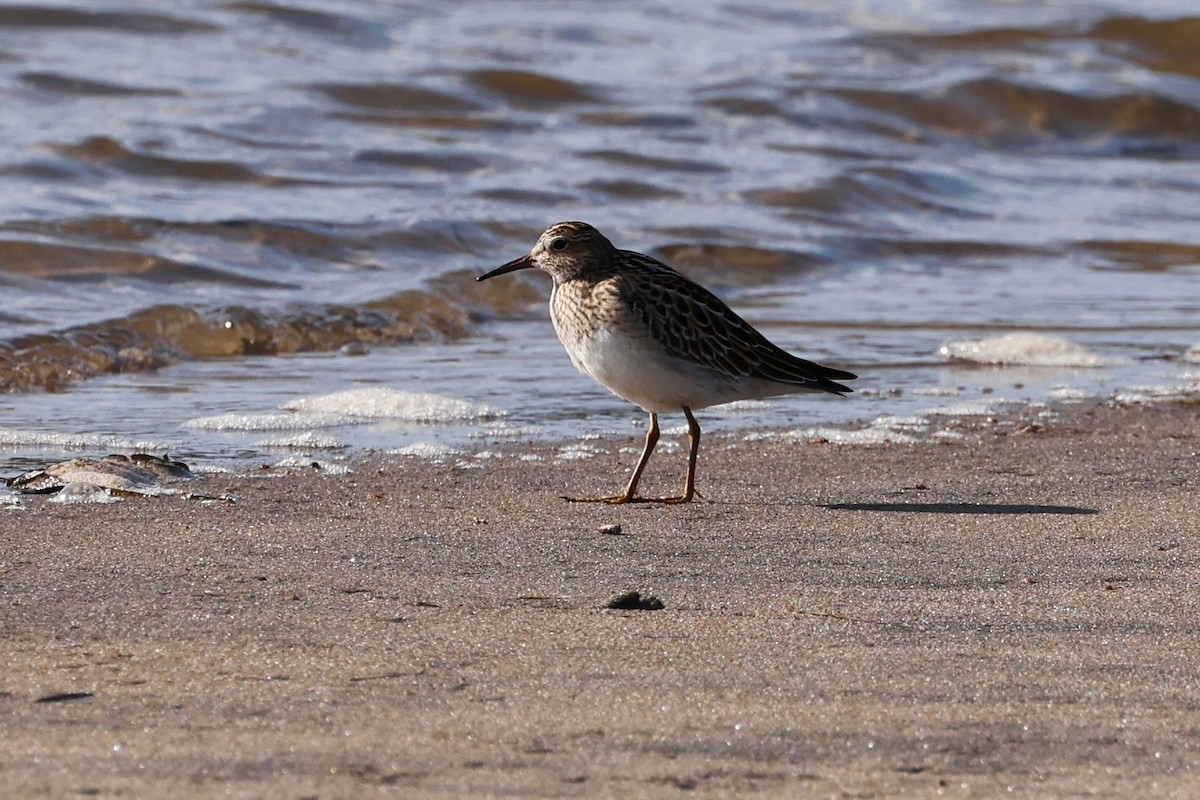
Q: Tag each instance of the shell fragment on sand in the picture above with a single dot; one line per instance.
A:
(140, 473)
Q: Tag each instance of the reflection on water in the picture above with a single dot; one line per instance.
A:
(214, 208)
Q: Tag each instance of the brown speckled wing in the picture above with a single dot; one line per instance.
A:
(692, 323)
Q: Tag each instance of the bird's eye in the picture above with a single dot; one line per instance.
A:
(558, 245)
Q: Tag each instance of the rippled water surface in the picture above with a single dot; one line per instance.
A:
(217, 215)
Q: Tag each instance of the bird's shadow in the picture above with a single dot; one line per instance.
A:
(961, 508)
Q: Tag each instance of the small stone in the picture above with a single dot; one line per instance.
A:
(64, 697)
(633, 601)
(610, 530)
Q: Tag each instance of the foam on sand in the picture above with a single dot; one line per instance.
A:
(83, 493)
(307, 464)
(1070, 394)
(885, 429)
(349, 407)
(305, 440)
(1025, 349)
(380, 402)
(1162, 393)
(425, 450)
(978, 408)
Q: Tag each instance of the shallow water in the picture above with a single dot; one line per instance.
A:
(221, 208)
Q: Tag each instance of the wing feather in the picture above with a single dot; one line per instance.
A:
(717, 336)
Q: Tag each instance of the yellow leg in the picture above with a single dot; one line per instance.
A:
(689, 485)
(651, 441)
(630, 494)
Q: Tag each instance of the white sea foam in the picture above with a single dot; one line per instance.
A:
(267, 422)
(1193, 354)
(1145, 395)
(425, 450)
(465, 464)
(316, 464)
(1070, 394)
(350, 407)
(859, 436)
(1025, 349)
(81, 493)
(899, 423)
(884, 429)
(745, 406)
(978, 408)
(508, 432)
(75, 441)
(210, 469)
(379, 402)
(576, 452)
(936, 391)
(305, 439)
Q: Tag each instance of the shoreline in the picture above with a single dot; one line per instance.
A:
(1007, 612)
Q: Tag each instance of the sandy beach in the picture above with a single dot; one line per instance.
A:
(1012, 612)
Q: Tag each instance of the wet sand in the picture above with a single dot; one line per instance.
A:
(1011, 613)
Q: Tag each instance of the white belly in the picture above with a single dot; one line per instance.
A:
(639, 370)
(608, 341)
(613, 346)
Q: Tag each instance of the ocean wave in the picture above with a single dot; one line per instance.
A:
(1009, 112)
(156, 337)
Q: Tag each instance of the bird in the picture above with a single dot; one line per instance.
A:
(658, 339)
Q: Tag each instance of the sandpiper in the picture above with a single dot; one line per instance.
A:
(658, 339)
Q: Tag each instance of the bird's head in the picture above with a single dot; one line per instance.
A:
(566, 250)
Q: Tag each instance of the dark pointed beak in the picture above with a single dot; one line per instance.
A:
(524, 262)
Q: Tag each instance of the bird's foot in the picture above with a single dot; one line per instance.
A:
(614, 500)
(684, 498)
(622, 499)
